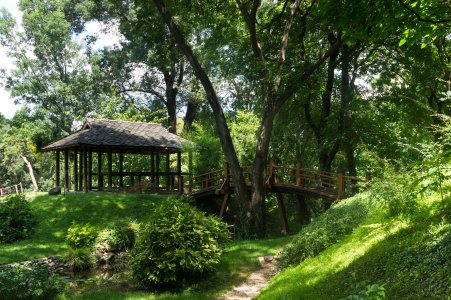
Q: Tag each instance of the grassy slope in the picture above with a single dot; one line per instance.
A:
(55, 214)
(410, 256)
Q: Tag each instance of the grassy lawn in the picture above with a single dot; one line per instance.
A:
(410, 256)
(237, 262)
(55, 214)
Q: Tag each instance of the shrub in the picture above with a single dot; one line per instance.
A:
(16, 219)
(118, 237)
(29, 283)
(178, 244)
(79, 259)
(326, 230)
(79, 236)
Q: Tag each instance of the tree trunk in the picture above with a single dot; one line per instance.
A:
(171, 105)
(190, 115)
(257, 208)
(30, 171)
(221, 123)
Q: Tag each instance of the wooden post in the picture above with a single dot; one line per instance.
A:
(80, 173)
(75, 170)
(21, 187)
(90, 169)
(157, 177)
(298, 174)
(85, 170)
(17, 190)
(57, 168)
(341, 186)
(121, 169)
(179, 172)
(152, 169)
(99, 170)
(224, 205)
(110, 170)
(304, 216)
(282, 213)
(168, 169)
(66, 170)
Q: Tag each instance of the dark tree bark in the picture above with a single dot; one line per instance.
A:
(327, 149)
(191, 110)
(171, 104)
(221, 124)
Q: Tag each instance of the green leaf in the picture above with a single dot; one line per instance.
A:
(402, 42)
(414, 4)
(423, 45)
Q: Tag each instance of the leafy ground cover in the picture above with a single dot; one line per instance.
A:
(55, 215)
(408, 255)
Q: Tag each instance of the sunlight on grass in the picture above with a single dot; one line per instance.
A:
(55, 214)
(295, 281)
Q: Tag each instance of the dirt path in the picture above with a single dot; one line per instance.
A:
(255, 282)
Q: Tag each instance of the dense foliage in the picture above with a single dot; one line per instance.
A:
(329, 228)
(17, 220)
(118, 237)
(29, 283)
(80, 235)
(177, 244)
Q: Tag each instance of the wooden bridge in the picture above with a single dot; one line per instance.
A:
(279, 180)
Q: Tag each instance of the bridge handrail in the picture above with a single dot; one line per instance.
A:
(325, 182)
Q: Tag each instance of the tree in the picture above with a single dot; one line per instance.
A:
(52, 71)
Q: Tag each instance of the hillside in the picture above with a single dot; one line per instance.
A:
(405, 256)
(56, 213)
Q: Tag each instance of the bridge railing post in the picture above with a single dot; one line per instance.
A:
(298, 174)
(341, 193)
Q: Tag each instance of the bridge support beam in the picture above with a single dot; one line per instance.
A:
(225, 204)
(304, 216)
(282, 213)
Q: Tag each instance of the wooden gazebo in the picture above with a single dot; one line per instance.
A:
(120, 156)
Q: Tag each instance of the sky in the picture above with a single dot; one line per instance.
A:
(7, 106)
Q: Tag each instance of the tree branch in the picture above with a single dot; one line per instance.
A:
(419, 17)
(284, 43)
(291, 89)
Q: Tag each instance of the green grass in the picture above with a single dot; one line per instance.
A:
(55, 214)
(240, 259)
(409, 255)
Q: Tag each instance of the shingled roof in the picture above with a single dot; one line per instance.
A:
(97, 132)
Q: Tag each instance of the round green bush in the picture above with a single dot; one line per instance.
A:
(118, 237)
(80, 235)
(178, 244)
(16, 219)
